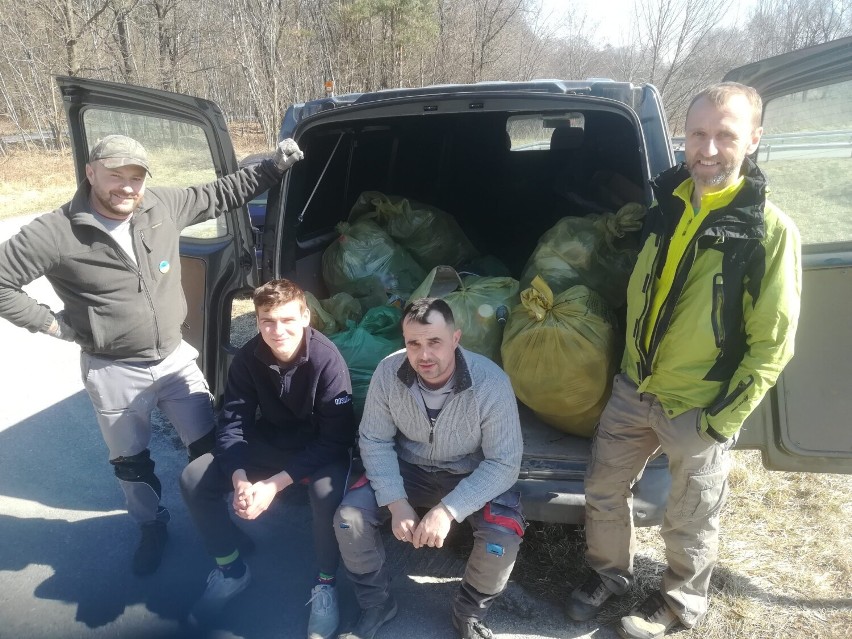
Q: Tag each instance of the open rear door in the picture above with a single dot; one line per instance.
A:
(188, 143)
(806, 153)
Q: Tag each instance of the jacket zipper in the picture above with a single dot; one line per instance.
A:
(667, 308)
(716, 316)
(144, 287)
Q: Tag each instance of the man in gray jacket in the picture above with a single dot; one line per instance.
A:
(112, 256)
(440, 431)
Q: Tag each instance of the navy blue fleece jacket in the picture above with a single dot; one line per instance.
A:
(305, 406)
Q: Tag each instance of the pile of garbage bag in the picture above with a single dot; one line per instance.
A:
(556, 340)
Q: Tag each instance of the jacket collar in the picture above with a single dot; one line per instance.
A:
(742, 218)
(408, 375)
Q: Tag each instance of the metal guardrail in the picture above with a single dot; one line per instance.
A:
(40, 138)
(765, 150)
(790, 142)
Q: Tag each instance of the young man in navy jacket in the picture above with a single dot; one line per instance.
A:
(287, 418)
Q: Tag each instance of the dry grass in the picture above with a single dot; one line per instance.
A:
(34, 181)
(785, 568)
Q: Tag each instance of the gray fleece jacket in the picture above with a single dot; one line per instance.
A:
(117, 308)
(477, 433)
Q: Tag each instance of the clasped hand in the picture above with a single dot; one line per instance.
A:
(430, 531)
(252, 500)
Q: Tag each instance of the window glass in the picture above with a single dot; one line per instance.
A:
(178, 154)
(534, 131)
(806, 153)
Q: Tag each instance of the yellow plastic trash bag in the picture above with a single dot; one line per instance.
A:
(598, 251)
(364, 260)
(480, 306)
(558, 352)
(329, 316)
(432, 236)
(320, 318)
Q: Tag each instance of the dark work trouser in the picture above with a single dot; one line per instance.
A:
(204, 486)
(497, 531)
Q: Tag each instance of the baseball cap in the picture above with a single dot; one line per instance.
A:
(119, 150)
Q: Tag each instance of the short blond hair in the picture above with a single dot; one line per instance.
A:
(719, 94)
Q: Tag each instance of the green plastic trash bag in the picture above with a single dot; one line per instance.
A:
(480, 306)
(559, 353)
(432, 236)
(597, 250)
(365, 344)
(366, 263)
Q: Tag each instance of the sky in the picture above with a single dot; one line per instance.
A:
(614, 17)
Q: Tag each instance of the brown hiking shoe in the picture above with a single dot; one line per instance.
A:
(587, 599)
(652, 619)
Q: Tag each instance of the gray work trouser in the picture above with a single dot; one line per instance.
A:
(124, 395)
(634, 429)
(497, 531)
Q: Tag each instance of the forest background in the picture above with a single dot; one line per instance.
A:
(255, 57)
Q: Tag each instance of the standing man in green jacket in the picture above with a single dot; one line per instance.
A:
(112, 256)
(712, 308)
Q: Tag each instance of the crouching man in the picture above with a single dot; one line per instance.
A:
(440, 431)
(287, 417)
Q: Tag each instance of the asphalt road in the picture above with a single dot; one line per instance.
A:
(65, 541)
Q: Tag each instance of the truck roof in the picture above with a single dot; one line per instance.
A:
(624, 92)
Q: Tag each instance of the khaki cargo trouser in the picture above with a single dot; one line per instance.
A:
(635, 428)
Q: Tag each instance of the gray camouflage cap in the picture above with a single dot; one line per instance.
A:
(119, 150)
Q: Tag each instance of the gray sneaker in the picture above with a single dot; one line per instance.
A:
(324, 617)
(220, 590)
(587, 599)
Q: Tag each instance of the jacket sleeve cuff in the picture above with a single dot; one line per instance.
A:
(47, 323)
(454, 512)
(390, 494)
(457, 509)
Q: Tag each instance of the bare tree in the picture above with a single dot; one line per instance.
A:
(777, 26)
(489, 18)
(575, 55)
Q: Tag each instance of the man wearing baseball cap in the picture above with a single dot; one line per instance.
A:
(112, 256)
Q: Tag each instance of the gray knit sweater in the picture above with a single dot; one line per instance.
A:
(477, 432)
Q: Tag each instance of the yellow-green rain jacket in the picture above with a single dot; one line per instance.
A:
(725, 331)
